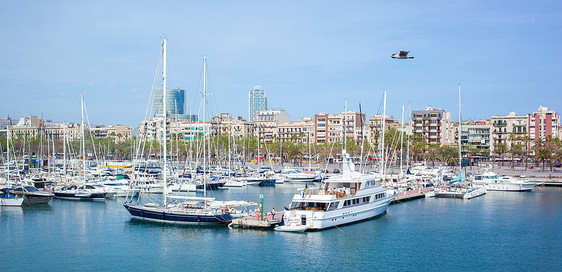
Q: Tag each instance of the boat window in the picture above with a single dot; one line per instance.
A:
(309, 206)
(478, 178)
(356, 201)
(31, 189)
(333, 206)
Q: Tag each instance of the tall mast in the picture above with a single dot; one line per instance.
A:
(8, 150)
(309, 158)
(41, 140)
(229, 150)
(64, 150)
(258, 124)
(460, 129)
(164, 91)
(401, 138)
(83, 139)
(344, 128)
(382, 135)
(204, 128)
(408, 135)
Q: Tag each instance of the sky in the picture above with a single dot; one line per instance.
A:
(309, 56)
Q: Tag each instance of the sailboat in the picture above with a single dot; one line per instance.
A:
(346, 198)
(456, 187)
(192, 209)
(6, 196)
(81, 191)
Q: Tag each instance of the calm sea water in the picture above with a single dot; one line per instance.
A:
(500, 231)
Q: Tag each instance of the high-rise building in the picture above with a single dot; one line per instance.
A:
(175, 99)
(543, 123)
(257, 101)
(433, 125)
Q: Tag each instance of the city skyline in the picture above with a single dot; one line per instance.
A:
(499, 52)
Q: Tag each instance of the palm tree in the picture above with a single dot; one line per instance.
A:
(512, 138)
(418, 146)
(448, 154)
(527, 140)
(432, 153)
(500, 150)
(542, 153)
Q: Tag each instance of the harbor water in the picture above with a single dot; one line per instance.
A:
(500, 231)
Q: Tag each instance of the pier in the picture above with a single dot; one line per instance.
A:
(254, 222)
(411, 195)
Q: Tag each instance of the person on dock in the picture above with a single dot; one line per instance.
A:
(273, 213)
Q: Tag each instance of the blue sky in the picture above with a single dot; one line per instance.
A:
(308, 55)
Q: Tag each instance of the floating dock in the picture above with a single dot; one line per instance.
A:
(254, 222)
(412, 194)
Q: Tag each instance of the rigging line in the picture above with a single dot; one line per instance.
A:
(338, 228)
(142, 143)
(198, 89)
(90, 131)
(409, 207)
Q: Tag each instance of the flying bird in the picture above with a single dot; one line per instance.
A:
(402, 55)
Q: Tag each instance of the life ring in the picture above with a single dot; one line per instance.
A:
(257, 213)
(459, 191)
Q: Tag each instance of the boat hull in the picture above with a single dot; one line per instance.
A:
(81, 196)
(35, 199)
(267, 182)
(210, 186)
(459, 193)
(510, 187)
(164, 216)
(11, 202)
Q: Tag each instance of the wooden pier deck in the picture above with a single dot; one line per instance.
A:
(412, 194)
(254, 222)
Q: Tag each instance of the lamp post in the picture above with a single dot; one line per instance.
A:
(261, 212)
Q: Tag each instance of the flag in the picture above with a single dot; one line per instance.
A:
(304, 190)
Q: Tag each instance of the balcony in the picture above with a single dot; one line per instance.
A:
(500, 124)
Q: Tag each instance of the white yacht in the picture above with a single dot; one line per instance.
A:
(296, 175)
(491, 181)
(120, 187)
(343, 199)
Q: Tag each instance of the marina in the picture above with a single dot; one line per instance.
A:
(286, 136)
(75, 235)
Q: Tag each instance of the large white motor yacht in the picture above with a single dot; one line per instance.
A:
(343, 199)
(492, 182)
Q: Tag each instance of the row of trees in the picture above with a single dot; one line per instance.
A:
(546, 151)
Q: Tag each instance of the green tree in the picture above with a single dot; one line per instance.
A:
(500, 150)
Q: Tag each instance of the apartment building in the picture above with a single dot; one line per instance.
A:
(433, 125)
(298, 131)
(504, 126)
(329, 128)
(266, 123)
(224, 124)
(543, 123)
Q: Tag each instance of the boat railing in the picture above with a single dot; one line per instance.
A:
(338, 192)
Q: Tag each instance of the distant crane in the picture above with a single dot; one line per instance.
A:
(402, 55)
